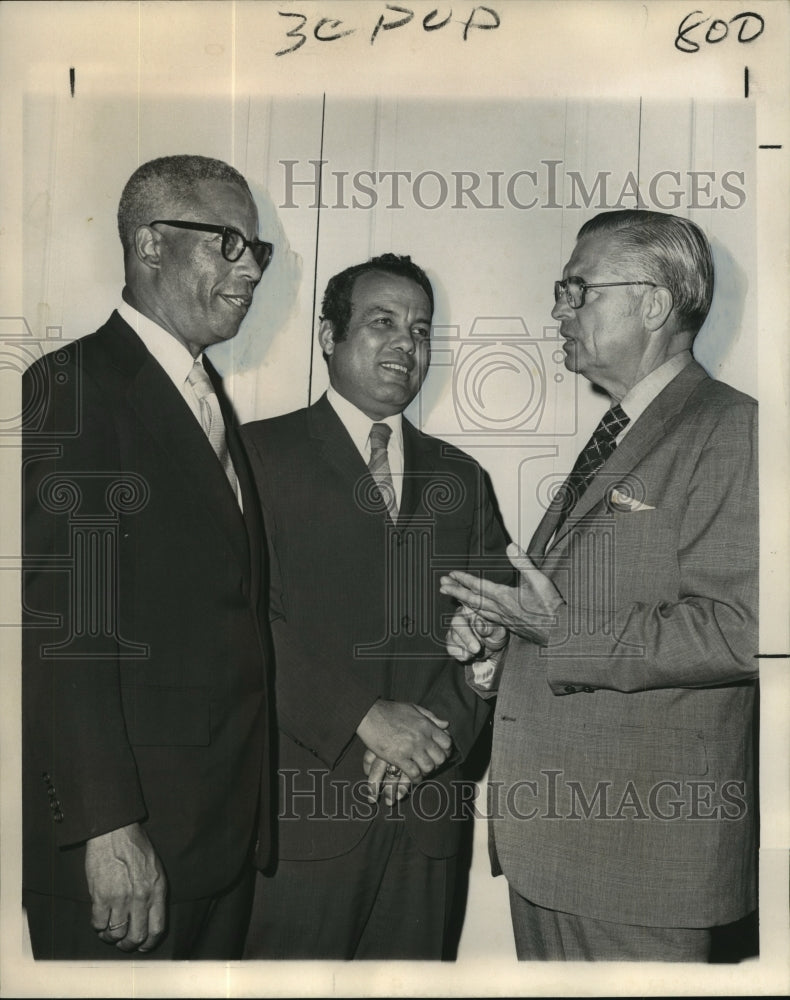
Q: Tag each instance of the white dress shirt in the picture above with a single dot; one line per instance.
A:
(358, 426)
(641, 395)
(169, 352)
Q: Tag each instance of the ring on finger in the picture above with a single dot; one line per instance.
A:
(393, 771)
(116, 927)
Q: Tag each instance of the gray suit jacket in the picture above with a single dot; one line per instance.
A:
(622, 766)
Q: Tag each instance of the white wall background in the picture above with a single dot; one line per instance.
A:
(497, 386)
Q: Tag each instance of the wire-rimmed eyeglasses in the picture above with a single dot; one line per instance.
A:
(574, 288)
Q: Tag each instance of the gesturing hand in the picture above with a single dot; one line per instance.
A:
(406, 736)
(472, 637)
(128, 887)
(527, 609)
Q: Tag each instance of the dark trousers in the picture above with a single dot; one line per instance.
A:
(382, 900)
(212, 928)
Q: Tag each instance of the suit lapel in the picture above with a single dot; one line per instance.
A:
(162, 410)
(418, 464)
(337, 449)
(334, 443)
(645, 434)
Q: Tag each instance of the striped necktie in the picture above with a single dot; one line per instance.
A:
(211, 420)
(379, 467)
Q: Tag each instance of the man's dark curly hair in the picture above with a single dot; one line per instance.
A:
(336, 305)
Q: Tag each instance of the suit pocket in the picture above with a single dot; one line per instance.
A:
(166, 716)
(638, 750)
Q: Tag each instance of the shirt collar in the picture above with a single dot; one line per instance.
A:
(640, 396)
(358, 424)
(169, 352)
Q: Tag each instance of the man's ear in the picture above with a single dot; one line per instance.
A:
(658, 307)
(326, 336)
(147, 246)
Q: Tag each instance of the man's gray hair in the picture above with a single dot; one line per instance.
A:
(160, 188)
(671, 251)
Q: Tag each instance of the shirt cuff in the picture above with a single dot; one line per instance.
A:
(484, 674)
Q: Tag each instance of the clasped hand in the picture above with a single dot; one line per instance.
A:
(488, 609)
(404, 736)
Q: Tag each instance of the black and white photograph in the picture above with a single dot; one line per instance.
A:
(395, 590)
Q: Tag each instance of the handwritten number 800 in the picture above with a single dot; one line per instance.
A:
(718, 30)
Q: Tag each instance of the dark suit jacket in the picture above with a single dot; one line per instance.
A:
(145, 635)
(635, 725)
(357, 615)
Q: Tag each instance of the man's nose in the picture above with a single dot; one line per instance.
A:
(248, 266)
(562, 308)
(402, 338)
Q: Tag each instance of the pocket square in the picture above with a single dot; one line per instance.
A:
(622, 501)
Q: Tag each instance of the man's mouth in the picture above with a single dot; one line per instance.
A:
(238, 301)
(395, 366)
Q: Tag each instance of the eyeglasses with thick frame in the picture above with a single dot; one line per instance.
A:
(234, 243)
(574, 289)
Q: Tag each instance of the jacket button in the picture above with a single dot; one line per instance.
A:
(570, 689)
(588, 690)
(58, 817)
(406, 622)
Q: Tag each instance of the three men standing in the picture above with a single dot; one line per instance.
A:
(623, 737)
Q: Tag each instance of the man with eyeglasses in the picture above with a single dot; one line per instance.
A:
(146, 626)
(623, 760)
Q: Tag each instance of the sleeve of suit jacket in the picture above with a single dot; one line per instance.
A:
(309, 709)
(73, 722)
(451, 697)
(707, 635)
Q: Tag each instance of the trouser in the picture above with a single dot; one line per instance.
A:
(384, 899)
(543, 934)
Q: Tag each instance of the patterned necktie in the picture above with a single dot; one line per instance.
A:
(379, 467)
(211, 420)
(593, 455)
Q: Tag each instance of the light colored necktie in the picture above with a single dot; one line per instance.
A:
(379, 467)
(211, 420)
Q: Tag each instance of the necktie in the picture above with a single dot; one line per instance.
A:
(211, 420)
(592, 457)
(379, 467)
